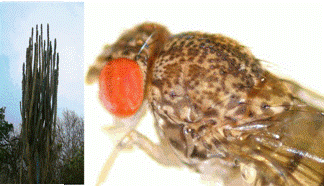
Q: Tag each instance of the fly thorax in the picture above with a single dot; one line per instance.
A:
(208, 84)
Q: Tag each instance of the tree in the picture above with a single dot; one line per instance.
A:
(73, 169)
(5, 126)
(70, 139)
(9, 151)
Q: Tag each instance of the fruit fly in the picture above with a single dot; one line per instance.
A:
(217, 109)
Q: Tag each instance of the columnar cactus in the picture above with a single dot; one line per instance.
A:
(38, 107)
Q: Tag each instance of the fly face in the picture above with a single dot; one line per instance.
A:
(217, 109)
(140, 44)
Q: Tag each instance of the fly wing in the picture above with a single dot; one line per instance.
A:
(288, 151)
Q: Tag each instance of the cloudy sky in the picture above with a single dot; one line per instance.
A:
(66, 25)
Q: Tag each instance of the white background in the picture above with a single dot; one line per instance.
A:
(290, 35)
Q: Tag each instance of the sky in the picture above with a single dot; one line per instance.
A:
(66, 24)
(287, 35)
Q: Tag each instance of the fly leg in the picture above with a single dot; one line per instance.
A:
(162, 152)
(159, 152)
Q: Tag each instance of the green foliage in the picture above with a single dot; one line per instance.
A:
(5, 129)
(8, 150)
(73, 171)
(5, 126)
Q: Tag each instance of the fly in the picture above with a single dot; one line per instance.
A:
(218, 111)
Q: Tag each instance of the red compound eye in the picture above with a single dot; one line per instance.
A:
(121, 87)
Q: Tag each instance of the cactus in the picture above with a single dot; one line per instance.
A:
(38, 107)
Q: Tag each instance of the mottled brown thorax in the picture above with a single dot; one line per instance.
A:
(203, 84)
